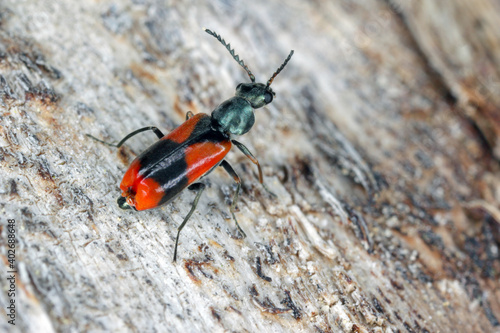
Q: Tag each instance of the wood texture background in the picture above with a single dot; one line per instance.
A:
(381, 144)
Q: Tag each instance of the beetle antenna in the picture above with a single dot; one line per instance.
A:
(280, 68)
(235, 56)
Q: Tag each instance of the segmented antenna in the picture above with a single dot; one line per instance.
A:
(235, 56)
(280, 68)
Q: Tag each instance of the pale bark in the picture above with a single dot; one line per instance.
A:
(381, 146)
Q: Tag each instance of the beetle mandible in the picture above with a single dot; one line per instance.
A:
(192, 150)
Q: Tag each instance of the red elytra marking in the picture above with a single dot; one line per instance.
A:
(141, 193)
(148, 195)
(202, 156)
(182, 133)
(130, 179)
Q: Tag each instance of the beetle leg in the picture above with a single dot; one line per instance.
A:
(252, 158)
(199, 187)
(229, 169)
(158, 133)
(189, 114)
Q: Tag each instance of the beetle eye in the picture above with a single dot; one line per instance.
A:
(238, 86)
(268, 97)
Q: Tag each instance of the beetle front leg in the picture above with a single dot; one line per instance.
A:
(252, 158)
(229, 169)
(199, 187)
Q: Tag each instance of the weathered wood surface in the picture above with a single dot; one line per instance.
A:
(381, 144)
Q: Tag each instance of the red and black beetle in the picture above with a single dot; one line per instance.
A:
(192, 150)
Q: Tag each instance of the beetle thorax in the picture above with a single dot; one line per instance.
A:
(236, 116)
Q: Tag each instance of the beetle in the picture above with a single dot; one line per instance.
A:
(179, 159)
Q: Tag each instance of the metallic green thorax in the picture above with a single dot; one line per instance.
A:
(236, 116)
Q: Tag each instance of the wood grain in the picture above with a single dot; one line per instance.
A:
(381, 145)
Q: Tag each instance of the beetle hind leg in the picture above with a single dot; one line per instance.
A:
(158, 133)
(198, 187)
(122, 203)
(229, 169)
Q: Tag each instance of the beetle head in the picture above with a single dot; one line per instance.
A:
(257, 94)
(235, 116)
